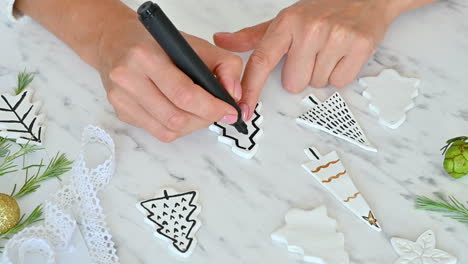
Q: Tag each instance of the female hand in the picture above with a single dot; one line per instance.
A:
(326, 41)
(147, 90)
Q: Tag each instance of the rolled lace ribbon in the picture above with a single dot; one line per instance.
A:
(79, 198)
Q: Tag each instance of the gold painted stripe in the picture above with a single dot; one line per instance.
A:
(334, 177)
(325, 166)
(352, 197)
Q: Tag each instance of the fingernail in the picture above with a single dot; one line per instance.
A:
(229, 119)
(245, 111)
(221, 34)
(237, 90)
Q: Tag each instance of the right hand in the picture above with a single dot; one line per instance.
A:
(147, 90)
(325, 41)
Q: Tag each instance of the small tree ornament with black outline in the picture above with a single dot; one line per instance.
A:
(175, 217)
(334, 117)
(18, 118)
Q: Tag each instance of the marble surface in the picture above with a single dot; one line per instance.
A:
(245, 200)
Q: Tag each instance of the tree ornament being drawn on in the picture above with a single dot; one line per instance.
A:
(390, 96)
(174, 215)
(334, 117)
(329, 171)
(422, 251)
(312, 234)
(243, 145)
(19, 120)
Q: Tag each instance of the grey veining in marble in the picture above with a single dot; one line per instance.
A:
(245, 200)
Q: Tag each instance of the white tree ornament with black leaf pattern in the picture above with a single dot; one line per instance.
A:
(174, 215)
(19, 118)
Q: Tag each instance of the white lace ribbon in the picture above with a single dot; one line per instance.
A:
(78, 198)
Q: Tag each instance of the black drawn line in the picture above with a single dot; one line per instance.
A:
(20, 120)
(313, 153)
(236, 140)
(19, 101)
(176, 244)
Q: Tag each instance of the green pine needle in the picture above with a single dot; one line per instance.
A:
(4, 147)
(24, 79)
(34, 217)
(7, 165)
(450, 208)
(57, 166)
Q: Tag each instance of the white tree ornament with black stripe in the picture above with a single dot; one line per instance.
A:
(334, 117)
(19, 119)
(174, 215)
(329, 171)
(245, 146)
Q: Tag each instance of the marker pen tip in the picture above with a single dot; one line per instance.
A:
(241, 127)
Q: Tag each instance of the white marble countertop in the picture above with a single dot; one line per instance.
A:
(245, 200)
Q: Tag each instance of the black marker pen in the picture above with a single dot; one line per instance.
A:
(184, 57)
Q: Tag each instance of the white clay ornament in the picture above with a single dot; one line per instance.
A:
(174, 215)
(334, 117)
(390, 96)
(245, 146)
(329, 171)
(422, 251)
(19, 119)
(312, 235)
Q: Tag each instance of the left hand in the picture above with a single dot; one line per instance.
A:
(326, 41)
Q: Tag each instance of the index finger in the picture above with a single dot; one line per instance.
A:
(188, 96)
(274, 45)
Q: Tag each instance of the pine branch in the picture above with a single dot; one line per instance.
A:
(4, 147)
(34, 217)
(57, 166)
(8, 166)
(24, 79)
(450, 208)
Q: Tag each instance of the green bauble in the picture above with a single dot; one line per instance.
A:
(9, 213)
(456, 157)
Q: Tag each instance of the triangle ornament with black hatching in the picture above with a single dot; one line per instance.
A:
(334, 117)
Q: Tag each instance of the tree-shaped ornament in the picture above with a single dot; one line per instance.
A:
(312, 235)
(19, 118)
(334, 117)
(174, 215)
(390, 96)
(243, 145)
(331, 174)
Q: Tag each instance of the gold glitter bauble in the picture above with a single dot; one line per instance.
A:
(9, 213)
